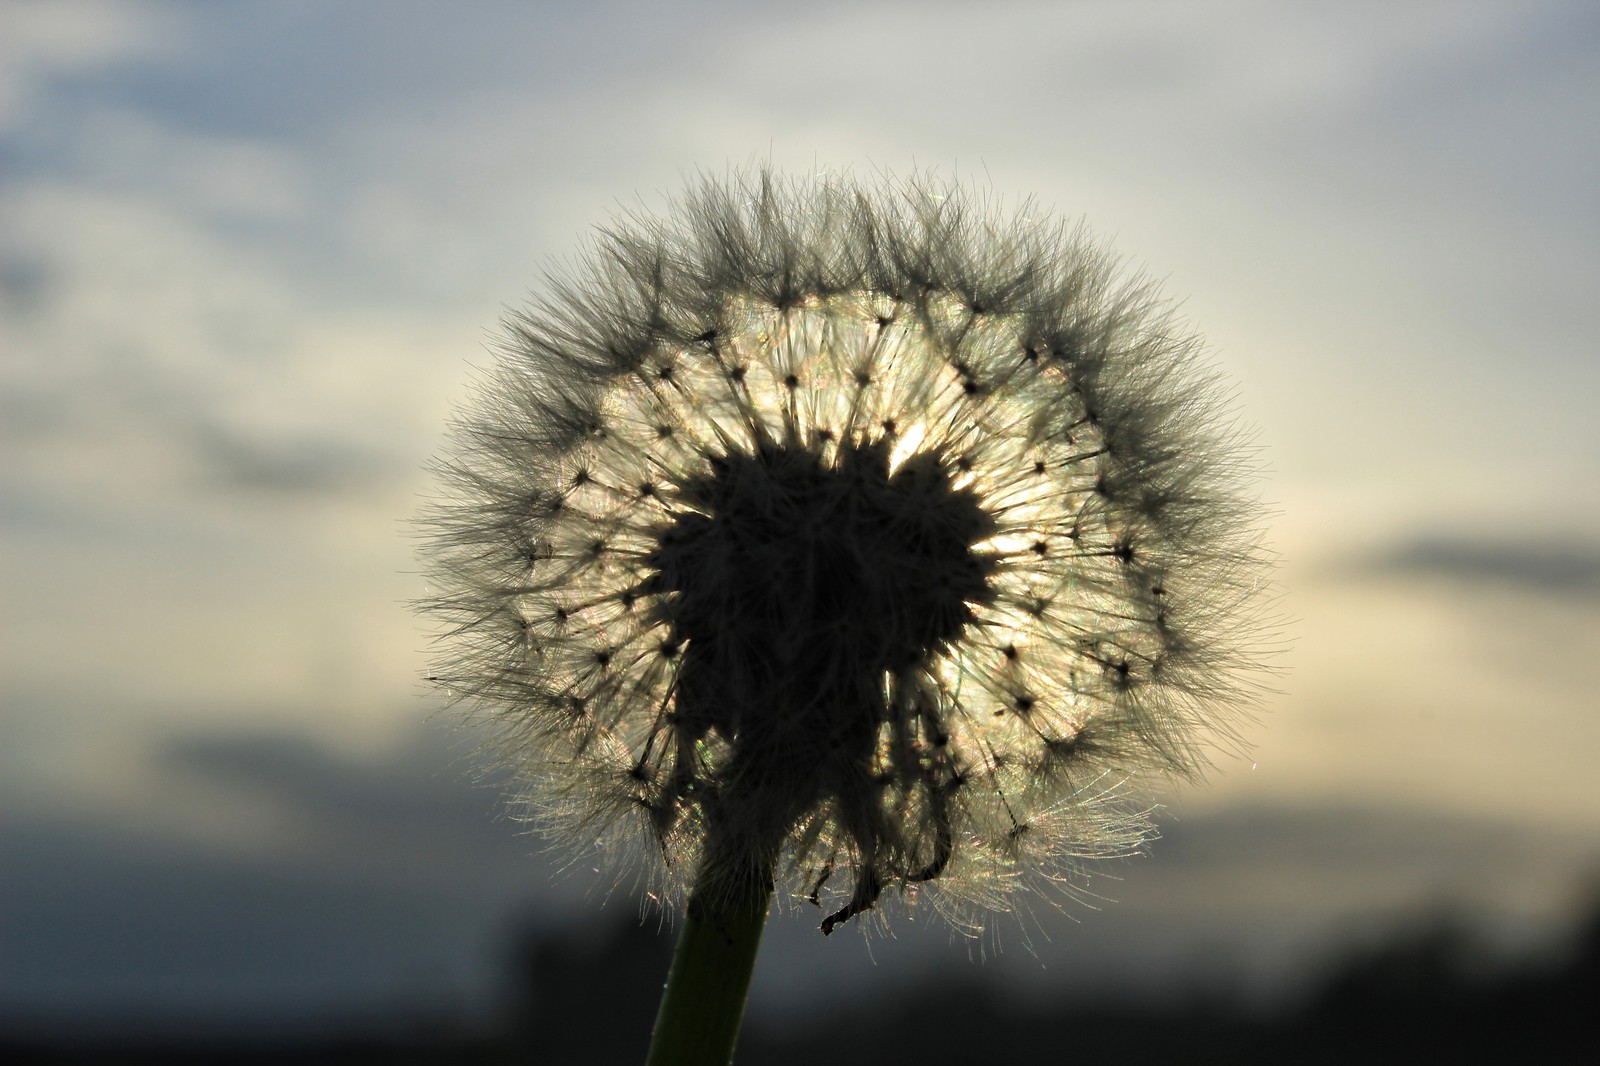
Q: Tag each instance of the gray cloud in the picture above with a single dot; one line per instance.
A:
(99, 924)
(1544, 565)
(396, 883)
(429, 780)
(421, 814)
(304, 465)
(404, 885)
(24, 280)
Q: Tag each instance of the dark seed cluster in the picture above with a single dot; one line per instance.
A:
(859, 533)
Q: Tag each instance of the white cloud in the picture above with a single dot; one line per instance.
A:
(209, 174)
(47, 39)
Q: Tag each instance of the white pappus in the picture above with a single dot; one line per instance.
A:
(868, 539)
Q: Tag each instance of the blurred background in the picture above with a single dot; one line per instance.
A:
(252, 251)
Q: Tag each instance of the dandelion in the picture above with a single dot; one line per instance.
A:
(860, 541)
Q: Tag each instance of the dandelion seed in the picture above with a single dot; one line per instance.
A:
(858, 540)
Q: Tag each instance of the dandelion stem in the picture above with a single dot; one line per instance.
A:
(703, 1002)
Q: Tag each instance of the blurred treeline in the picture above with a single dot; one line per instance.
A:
(1418, 998)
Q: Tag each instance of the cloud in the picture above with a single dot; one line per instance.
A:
(301, 466)
(361, 882)
(154, 357)
(420, 784)
(1544, 565)
(44, 43)
(396, 873)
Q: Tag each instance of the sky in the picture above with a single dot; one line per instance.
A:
(253, 252)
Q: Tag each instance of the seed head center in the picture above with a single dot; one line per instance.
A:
(787, 573)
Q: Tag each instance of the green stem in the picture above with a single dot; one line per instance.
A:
(703, 1002)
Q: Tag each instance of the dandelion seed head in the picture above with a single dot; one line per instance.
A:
(864, 532)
